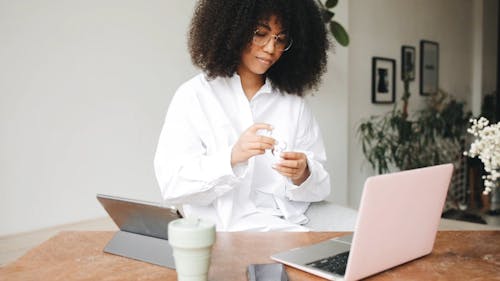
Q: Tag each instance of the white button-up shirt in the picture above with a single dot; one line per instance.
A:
(193, 158)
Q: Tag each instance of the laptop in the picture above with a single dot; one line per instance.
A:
(398, 218)
(143, 233)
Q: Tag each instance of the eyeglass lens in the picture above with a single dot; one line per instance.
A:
(281, 41)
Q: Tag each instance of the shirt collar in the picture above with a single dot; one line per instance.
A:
(265, 89)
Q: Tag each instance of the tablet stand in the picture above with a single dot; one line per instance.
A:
(141, 247)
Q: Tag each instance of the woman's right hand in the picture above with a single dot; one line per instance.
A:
(250, 144)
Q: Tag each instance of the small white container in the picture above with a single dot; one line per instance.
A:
(191, 241)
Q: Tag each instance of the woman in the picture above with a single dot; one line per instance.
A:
(239, 145)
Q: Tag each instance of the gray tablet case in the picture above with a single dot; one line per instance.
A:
(143, 233)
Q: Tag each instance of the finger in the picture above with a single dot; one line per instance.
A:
(259, 126)
(287, 175)
(290, 175)
(259, 145)
(264, 139)
(290, 164)
(293, 155)
(285, 170)
(257, 151)
(254, 152)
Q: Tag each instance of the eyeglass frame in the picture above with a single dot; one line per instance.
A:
(272, 36)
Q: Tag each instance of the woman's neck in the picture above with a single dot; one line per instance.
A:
(250, 82)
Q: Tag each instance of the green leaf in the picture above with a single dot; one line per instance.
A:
(339, 33)
(331, 3)
(327, 15)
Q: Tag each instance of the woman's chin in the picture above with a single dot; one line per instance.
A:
(260, 70)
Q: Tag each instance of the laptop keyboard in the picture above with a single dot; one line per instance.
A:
(335, 264)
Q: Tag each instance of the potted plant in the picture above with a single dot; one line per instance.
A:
(431, 136)
(336, 29)
(486, 146)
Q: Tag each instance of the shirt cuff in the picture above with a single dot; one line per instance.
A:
(294, 191)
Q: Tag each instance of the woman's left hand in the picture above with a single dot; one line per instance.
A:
(294, 165)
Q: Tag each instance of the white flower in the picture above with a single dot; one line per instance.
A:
(486, 147)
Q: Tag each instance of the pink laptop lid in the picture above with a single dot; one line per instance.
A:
(398, 219)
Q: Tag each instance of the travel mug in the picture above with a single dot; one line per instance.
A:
(191, 241)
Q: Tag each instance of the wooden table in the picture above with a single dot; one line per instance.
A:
(457, 255)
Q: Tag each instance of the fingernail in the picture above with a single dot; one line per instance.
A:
(274, 166)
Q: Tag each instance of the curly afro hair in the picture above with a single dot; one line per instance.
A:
(221, 30)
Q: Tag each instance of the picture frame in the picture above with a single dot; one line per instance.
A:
(383, 80)
(408, 63)
(429, 67)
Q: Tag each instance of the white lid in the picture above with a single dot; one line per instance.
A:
(191, 233)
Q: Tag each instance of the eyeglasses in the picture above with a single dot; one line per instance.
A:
(281, 41)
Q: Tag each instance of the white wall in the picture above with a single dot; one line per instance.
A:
(331, 110)
(380, 28)
(477, 52)
(84, 86)
(490, 42)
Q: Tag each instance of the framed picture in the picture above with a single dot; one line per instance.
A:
(408, 63)
(383, 80)
(429, 67)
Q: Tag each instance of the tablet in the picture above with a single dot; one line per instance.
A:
(139, 217)
(143, 233)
